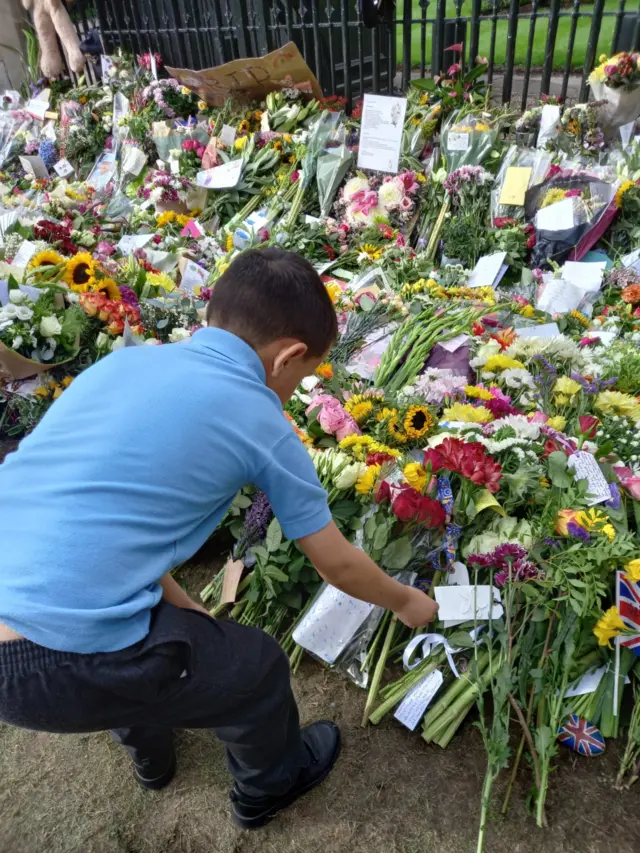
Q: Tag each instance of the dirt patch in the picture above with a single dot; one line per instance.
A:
(390, 792)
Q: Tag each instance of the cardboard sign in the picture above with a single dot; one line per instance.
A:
(221, 177)
(251, 79)
(515, 185)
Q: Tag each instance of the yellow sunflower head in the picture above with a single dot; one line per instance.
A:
(46, 258)
(361, 411)
(366, 483)
(417, 421)
(394, 431)
(108, 286)
(80, 272)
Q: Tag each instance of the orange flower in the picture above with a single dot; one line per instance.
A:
(565, 517)
(505, 337)
(631, 294)
(325, 371)
(115, 327)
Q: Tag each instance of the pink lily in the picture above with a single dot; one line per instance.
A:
(364, 201)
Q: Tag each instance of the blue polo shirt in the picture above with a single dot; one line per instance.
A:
(128, 474)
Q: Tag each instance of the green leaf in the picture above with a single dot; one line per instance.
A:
(397, 554)
(274, 535)
(558, 475)
(381, 536)
(277, 574)
(259, 552)
(345, 509)
(461, 639)
(370, 527)
(425, 84)
(292, 600)
(242, 501)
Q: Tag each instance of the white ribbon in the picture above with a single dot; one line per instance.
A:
(429, 643)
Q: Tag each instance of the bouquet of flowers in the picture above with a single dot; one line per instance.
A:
(37, 331)
(365, 201)
(166, 191)
(615, 82)
(466, 140)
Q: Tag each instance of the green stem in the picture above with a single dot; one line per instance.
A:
(379, 670)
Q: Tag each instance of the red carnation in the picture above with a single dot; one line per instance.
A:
(588, 425)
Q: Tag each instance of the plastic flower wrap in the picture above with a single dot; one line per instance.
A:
(616, 81)
(466, 141)
(520, 158)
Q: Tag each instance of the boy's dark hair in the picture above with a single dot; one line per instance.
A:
(268, 294)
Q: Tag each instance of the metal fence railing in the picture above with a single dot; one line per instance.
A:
(353, 46)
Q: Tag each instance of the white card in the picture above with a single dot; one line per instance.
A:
(221, 177)
(131, 242)
(458, 141)
(6, 221)
(459, 576)
(559, 296)
(37, 107)
(163, 261)
(556, 217)
(133, 160)
(626, 132)
(457, 602)
(103, 171)
(546, 330)
(590, 682)
(411, 710)
(193, 276)
(585, 467)
(486, 270)
(34, 166)
(330, 624)
(606, 338)
(154, 66)
(26, 251)
(4, 293)
(381, 133)
(455, 343)
(227, 134)
(631, 259)
(586, 276)
(63, 168)
(549, 121)
(106, 64)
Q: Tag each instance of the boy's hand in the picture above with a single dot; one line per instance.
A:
(419, 609)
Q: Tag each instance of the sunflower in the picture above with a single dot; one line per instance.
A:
(165, 218)
(395, 432)
(417, 421)
(624, 187)
(80, 272)
(386, 413)
(46, 258)
(108, 286)
(415, 475)
(243, 127)
(368, 250)
(581, 318)
(361, 411)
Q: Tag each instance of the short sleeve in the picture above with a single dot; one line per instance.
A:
(290, 482)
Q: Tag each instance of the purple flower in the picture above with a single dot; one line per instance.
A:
(128, 295)
(574, 529)
(255, 523)
(614, 500)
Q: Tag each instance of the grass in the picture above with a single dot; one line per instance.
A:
(522, 38)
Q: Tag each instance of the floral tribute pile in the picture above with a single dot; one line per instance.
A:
(477, 424)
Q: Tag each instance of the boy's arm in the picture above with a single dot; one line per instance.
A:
(346, 567)
(174, 594)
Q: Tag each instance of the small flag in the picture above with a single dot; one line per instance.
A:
(629, 608)
(581, 736)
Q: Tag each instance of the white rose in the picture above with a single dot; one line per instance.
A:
(179, 334)
(17, 296)
(50, 326)
(24, 313)
(102, 340)
(17, 342)
(349, 475)
(118, 343)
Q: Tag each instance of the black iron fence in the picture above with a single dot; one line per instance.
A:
(355, 46)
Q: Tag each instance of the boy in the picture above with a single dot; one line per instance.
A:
(127, 475)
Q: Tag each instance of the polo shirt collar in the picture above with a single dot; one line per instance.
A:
(230, 346)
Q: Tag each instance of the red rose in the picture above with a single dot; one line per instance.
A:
(383, 492)
(433, 459)
(588, 425)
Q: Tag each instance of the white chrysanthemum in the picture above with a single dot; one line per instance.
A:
(517, 377)
(522, 427)
(353, 185)
(390, 195)
(559, 348)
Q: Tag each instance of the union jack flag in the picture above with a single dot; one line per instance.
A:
(629, 593)
(581, 736)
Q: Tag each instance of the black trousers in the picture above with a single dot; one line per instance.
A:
(189, 672)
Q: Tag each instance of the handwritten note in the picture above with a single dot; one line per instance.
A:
(549, 124)
(106, 65)
(193, 276)
(221, 177)
(330, 624)
(457, 141)
(132, 242)
(585, 467)
(457, 602)
(381, 133)
(415, 703)
(559, 296)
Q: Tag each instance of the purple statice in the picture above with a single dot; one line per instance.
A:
(551, 542)
(128, 295)
(593, 385)
(574, 529)
(255, 523)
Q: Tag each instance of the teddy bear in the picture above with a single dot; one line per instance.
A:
(51, 19)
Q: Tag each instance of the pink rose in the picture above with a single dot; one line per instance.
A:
(332, 417)
(539, 418)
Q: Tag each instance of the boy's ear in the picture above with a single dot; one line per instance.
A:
(286, 355)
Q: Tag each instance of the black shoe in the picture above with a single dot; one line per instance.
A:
(155, 773)
(322, 739)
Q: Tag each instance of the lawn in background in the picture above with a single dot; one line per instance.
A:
(522, 41)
